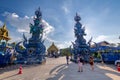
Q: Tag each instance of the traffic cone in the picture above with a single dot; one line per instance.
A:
(118, 67)
(20, 70)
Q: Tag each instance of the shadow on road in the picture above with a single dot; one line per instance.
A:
(9, 76)
(14, 67)
(69, 72)
(9, 68)
(57, 68)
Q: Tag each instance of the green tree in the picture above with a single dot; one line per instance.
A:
(65, 51)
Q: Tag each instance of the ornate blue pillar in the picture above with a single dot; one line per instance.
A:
(34, 51)
(80, 47)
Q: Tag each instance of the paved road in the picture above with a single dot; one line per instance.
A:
(34, 72)
(56, 69)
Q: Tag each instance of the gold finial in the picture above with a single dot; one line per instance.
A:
(4, 26)
(52, 43)
(4, 33)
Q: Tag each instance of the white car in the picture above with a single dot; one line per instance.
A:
(117, 62)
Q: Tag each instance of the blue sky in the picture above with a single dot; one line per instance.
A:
(101, 19)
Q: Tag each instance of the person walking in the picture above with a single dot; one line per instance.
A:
(80, 64)
(67, 59)
(91, 62)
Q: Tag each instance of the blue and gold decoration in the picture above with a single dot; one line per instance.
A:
(33, 50)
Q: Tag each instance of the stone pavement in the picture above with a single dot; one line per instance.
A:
(56, 69)
(106, 72)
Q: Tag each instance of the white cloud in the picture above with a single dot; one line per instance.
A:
(65, 9)
(94, 21)
(51, 40)
(48, 28)
(101, 38)
(26, 17)
(60, 46)
(22, 31)
(22, 24)
(109, 38)
(64, 44)
(14, 15)
(67, 5)
(15, 39)
(1, 23)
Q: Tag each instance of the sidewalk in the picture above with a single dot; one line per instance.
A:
(106, 72)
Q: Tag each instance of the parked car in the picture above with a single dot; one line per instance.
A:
(117, 62)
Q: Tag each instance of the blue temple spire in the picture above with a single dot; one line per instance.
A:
(34, 47)
(79, 46)
(38, 13)
(77, 18)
